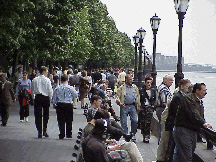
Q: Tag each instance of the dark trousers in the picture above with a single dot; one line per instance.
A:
(144, 119)
(41, 109)
(64, 116)
(4, 110)
(24, 110)
(185, 140)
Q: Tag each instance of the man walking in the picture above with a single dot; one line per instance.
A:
(42, 89)
(121, 77)
(74, 81)
(128, 98)
(63, 102)
(164, 94)
(112, 79)
(189, 119)
(6, 90)
(165, 148)
(148, 101)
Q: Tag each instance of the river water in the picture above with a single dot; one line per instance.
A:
(210, 99)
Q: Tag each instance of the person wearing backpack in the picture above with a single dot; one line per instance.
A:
(23, 84)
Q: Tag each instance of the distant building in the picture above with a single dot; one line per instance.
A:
(166, 62)
(170, 63)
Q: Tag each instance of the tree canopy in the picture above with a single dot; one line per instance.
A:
(78, 31)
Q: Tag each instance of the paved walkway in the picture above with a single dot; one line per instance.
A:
(19, 142)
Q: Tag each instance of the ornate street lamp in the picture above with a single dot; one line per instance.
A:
(155, 21)
(135, 40)
(181, 7)
(141, 33)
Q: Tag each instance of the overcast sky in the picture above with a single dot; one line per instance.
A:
(199, 26)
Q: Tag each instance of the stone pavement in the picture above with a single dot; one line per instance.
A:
(19, 142)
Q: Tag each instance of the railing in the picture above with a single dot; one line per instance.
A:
(210, 136)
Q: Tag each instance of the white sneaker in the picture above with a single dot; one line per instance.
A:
(21, 121)
(26, 119)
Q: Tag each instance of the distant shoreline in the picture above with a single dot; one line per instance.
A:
(187, 71)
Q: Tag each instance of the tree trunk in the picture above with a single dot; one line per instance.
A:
(15, 61)
(51, 67)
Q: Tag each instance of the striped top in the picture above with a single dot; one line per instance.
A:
(64, 93)
(164, 94)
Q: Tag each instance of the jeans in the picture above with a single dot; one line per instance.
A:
(132, 112)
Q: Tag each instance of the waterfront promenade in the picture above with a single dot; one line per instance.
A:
(19, 142)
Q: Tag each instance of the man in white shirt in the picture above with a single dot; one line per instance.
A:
(121, 77)
(42, 90)
(103, 76)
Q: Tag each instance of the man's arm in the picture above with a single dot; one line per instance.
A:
(12, 92)
(164, 98)
(118, 95)
(74, 92)
(54, 98)
(172, 110)
(138, 104)
(49, 88)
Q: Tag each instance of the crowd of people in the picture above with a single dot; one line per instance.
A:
(180, 114)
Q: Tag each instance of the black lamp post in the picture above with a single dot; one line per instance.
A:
(144, 61)
(155, 21)
(148, 59)
(141, 33)
(181, 8)
(136, 40)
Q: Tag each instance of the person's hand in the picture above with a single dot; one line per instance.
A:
(111, 141)
(122, 105)
(138, 108)
(206, 125)
(115, 147)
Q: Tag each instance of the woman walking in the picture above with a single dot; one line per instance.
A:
(23, 91)
(84, 86)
